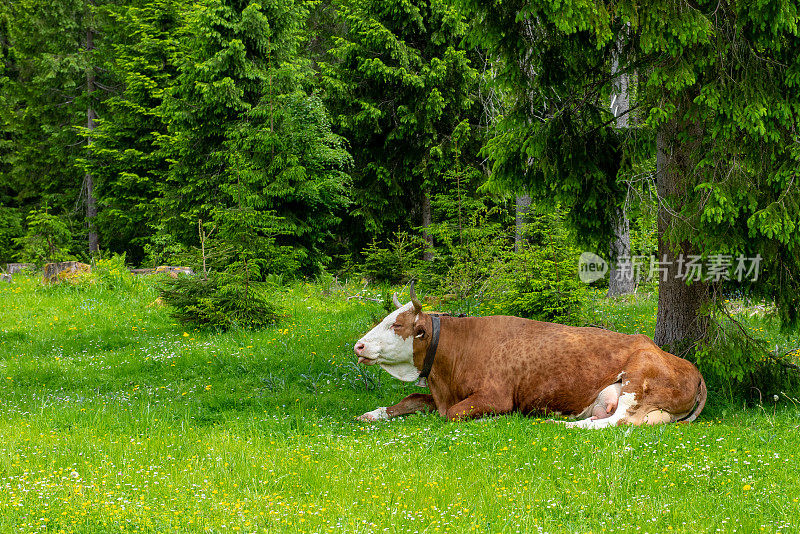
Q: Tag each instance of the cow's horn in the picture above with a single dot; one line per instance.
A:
(396, 301)
(414, 300)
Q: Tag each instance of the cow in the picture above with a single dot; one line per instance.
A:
(477, 366)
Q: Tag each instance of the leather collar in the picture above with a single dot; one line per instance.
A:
(431, 353)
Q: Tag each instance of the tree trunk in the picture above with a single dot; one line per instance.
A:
(91, 201)
(523, 206)
(427, 255)
(620, 282)
(681, 320)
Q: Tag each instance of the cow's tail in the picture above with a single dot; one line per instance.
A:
(699, 403)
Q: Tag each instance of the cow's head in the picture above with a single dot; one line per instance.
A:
(391, 343)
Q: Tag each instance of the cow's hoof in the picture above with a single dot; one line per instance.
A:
(375, 415)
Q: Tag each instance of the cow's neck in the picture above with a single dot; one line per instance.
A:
(443, 368)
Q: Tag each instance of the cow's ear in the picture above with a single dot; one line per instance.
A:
(419, 331)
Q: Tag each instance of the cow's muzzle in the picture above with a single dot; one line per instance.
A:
(359, 349)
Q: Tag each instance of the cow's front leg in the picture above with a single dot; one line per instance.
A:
(478, 405)
(417, 402)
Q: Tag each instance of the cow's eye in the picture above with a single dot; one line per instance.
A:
(396, 325)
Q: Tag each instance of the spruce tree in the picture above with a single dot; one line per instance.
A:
(239, 112)
(126, 158)
(401, 89)
(52, 90)
(42, 83)
(228, 290)
(717, 93)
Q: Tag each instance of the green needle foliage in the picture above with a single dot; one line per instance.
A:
(48, 238)
(222, 301)
(228, 289)
(238, 114)
(43, 104)
(541, 280)
(402, 90)
(127, 158)
(716, 88)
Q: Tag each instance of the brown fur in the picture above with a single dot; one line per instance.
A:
(499, 364)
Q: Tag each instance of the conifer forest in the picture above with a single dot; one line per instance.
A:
(484, 149)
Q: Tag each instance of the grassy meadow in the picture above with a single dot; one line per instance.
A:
(113, 418)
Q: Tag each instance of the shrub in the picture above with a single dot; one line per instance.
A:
(546, 300)
(467, 258)
(541, 281)
(47, 238)
(542, 285)
(395, 262)
(236, 254)
(219, 301)
(734, 360)
(162, 248)
(113, 274)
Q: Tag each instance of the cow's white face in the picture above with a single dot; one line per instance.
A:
(391, 345)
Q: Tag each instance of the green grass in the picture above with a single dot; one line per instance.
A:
(114, 418)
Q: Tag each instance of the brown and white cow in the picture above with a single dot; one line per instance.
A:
(500, 364)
